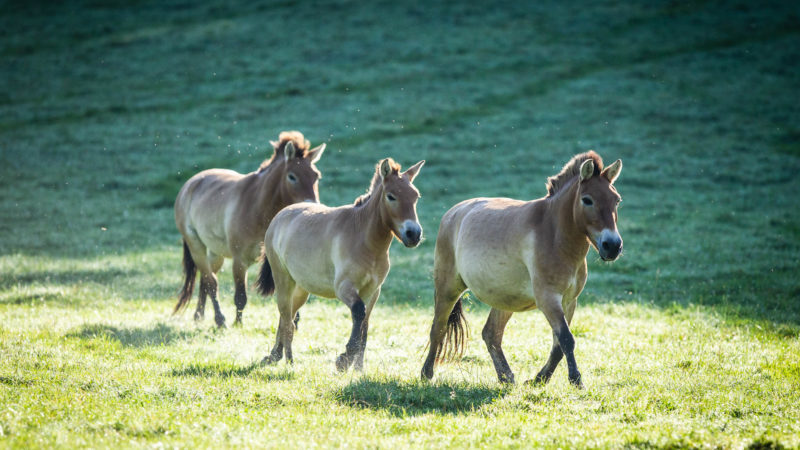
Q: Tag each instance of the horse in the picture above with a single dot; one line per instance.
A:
(224, 214)
(339, 252)
(517, 256)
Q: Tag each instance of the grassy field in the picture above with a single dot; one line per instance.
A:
(691, 339)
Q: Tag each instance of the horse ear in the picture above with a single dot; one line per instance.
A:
(288, 150)
(386, 168)
(587, 169)
(612, 172)
(413, 171)
(315, 153)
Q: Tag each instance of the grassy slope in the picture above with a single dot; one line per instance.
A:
(691, 338)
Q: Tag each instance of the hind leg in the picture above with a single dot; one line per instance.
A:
(209, 286)
(448, 287)
(284, 289)
(493, 337)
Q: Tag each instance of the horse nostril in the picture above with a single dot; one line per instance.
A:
(409, 234)
(605, 246)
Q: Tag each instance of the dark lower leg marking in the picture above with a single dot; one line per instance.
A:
(359, 312)
(240, 299)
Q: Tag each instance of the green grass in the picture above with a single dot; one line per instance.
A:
(691, 339)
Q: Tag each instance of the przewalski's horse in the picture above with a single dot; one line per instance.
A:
(339, 252)
(516, 256)
(224, 214)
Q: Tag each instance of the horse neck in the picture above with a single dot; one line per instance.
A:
(568, 239)
(373, 223)
(267, 196)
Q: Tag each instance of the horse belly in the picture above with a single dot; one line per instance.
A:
(318, 284)
(497, 281)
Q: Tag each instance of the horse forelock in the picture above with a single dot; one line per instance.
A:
(572, 169)
(301, 145)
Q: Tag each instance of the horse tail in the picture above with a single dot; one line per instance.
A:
(455, 341)
(189, 273)
(265, 285)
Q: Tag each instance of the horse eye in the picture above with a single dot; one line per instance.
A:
(291, 177)
(390, 197)
(587, 201)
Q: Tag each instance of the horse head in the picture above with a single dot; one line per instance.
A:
(595, 207)
(399, 202)
(299, 175)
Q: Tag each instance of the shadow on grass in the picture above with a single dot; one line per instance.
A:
(227, 370)
(64, 277)
(157, 335)
(402, 397)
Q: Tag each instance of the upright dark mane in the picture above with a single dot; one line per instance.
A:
(376, 179)
(572, 169)
(301, 145)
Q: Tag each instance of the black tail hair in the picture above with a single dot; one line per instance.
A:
(189, 274)
(455, 341)
(265, 285)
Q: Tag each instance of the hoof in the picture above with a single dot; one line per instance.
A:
(541, 378)
(220, 321)
(270, 360)
(198, 317)
(238, 321)
(426, 374)
(575, 380)
(506, 378)
(237, 324)
(343, 362)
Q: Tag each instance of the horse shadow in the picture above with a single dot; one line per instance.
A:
(227, 370)
(157, 335)
(403, 398)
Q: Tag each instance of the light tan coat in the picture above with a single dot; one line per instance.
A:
(339, 252)
(224, 214)
(516, 256)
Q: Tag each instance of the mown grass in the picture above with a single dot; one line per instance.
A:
(691, 339)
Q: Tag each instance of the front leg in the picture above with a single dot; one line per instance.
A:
(240, 283)
(552, 308)
(359, 362)
(348, 294)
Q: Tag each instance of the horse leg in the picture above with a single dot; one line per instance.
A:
(448, 289)
(212, 286)
(284, 287)
(359, 359)
(556, 354)
(553, 311)
(199, 253)
(348, 294)
(240, 282)
(493, 337)
(199, 313)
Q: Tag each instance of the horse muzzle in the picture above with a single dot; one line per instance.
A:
(609, 245)
(410, 233)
